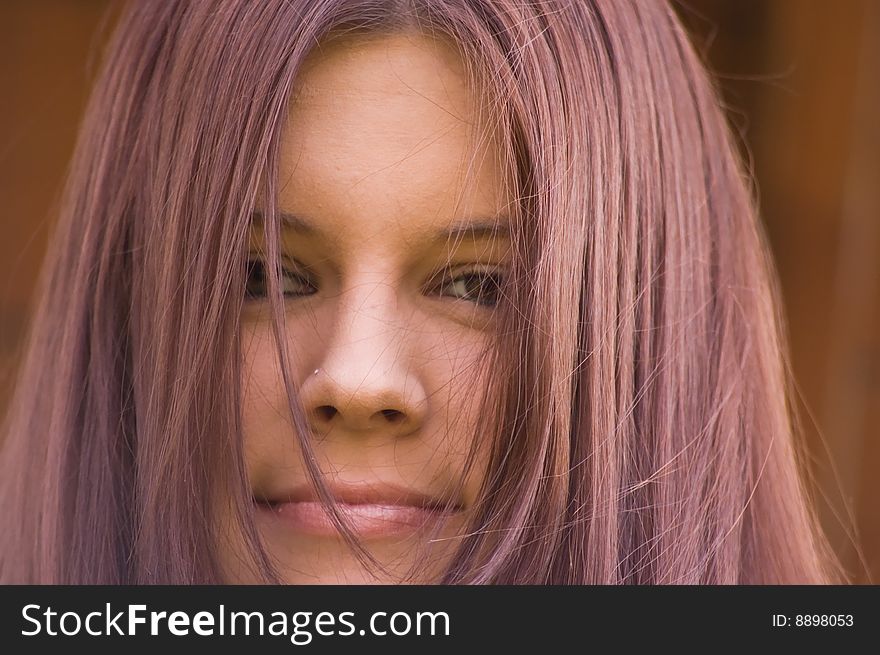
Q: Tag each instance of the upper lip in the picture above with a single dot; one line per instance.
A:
(362, 494)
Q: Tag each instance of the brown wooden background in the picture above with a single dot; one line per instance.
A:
(801, 79)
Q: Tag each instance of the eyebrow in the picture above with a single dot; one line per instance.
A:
(289, 220)
(476, 228)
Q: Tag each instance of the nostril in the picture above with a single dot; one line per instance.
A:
(392, 415)
(326, 412)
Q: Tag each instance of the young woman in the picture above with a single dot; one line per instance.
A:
(456, 291)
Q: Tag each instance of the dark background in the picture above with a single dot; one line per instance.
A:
(801, 81)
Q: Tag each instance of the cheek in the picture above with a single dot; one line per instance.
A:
(459, 379)
(266, 423)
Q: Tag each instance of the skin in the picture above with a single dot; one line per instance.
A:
(379, 156)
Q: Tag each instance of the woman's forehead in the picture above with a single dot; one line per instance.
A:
(383, 134)
(401, 62)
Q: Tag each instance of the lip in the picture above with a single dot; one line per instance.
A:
(375, 510)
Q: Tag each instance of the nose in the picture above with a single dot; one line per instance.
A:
(366, 381)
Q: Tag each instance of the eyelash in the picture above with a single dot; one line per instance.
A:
(257, 279)
(490, 299)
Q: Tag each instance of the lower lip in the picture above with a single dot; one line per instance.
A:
(365, 520)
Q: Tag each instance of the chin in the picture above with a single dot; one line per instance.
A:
(307, 560)
(353, 574)
(332, 562)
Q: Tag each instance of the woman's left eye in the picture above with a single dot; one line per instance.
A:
(482, 287)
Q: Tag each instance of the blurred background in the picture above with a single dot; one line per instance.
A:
(801, 82)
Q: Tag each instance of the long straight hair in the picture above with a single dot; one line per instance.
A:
(638, 411)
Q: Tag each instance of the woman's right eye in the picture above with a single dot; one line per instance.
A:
(257, 285)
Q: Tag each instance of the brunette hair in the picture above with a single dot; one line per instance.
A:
(638, 409)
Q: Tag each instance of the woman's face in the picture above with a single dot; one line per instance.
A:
(392, 250)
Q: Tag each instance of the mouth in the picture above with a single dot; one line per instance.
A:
(371, 511)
